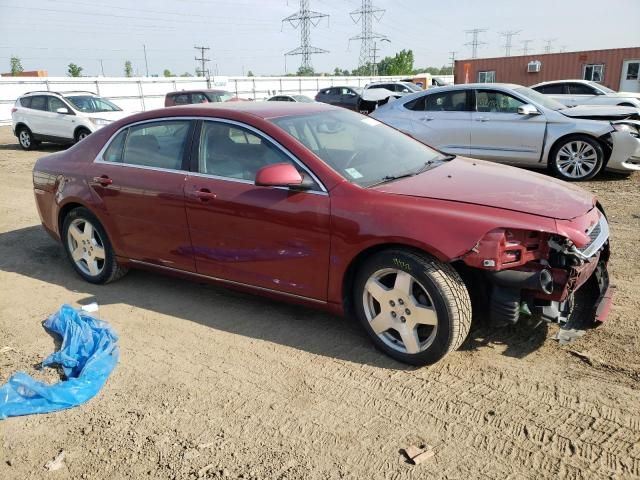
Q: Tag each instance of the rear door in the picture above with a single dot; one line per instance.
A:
(442, 120)
(36, 117)
(140, 179)
(500, 134)
(270, 238)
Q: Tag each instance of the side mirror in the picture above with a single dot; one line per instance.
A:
(63, 110)
(528, 109)
(282, 175)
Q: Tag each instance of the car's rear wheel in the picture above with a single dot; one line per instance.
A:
(89, 249)
(25, 138)
(578, 157)
(81, 134)
(415, 308)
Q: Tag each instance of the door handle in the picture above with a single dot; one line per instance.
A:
(482, 119)
(103, 180)
(204, 194)
(426, 119)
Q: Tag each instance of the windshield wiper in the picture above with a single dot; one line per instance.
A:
(389, 178)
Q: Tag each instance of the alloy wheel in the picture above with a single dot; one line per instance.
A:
(577, 159)
(86, 247)
(82, 135)
(25, 139)
(400, 311)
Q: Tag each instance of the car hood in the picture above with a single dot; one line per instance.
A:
(596, 112)
(492, 185)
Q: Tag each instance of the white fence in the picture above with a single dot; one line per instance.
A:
(137, 94)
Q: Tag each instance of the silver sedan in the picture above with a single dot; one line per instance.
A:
(516, 125)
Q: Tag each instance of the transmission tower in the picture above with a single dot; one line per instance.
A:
(203, 61)
(365, 15)
(507, 44)
(305, 18)
(525, 46)
(475, 42)
(547, 47)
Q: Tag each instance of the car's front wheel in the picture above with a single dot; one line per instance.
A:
(415, 308)
(81, 134)
(578, 157)
(89, 249)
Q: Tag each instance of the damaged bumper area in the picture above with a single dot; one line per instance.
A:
(548, 276)
(625, 147)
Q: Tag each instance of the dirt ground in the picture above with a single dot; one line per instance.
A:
(212, 383)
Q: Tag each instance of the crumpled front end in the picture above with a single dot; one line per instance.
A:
(557, 276)
(624, 143)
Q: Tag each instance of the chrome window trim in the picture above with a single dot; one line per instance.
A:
(99, 157)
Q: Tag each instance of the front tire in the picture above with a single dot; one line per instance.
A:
(415, 308)
(81, 134)
(576, 158)
(89, 249)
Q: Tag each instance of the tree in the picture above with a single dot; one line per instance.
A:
(305, 72)
(250, 73)
(16, 65)
(74, 70)
(186, 74)
(338, 72)
(128, 69)
(400, 64)
(167, 73)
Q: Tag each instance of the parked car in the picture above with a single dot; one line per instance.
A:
(187, 97)
(290, 98)
(63, 118)
(519, 126)
(586, 92)
(346, 97)
(380, 93)
(400, 88)
(321, 206)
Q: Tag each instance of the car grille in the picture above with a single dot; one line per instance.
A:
(599, 235)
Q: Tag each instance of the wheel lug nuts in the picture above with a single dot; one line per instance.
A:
(392, 303)
(400, 301)
(394, 314)
(407, 311)
(402, 319)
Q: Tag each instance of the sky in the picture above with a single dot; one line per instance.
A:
(248, 35)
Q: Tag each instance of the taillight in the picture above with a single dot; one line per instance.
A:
(14, 110)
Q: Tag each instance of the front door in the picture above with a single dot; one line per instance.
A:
(140, 181)
(630, 80)
(499, 133)
(442, 120)
(61, 125)
(271, 238)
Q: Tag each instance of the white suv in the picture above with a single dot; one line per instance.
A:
(60, 117)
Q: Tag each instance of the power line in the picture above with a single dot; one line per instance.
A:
(475, 42)
(525, 46)
(305, 18)
(365, 15)
(203, 71)
(507, 44)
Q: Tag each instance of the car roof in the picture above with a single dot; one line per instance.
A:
(468, 86)
(60, 94)
(572, 80)
(199, 90)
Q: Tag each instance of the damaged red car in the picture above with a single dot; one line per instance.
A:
(318, 205)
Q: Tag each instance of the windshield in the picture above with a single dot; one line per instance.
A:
(302, 98)
(91, 104)
(539, 98)
(361, 149)
(219, 96)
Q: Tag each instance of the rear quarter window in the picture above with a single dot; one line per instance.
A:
(25, 102)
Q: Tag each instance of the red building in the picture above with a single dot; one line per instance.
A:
(616, 68)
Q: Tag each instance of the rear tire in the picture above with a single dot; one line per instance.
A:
(25, 139)
(88, 248)
(576, 158)
(415, 308)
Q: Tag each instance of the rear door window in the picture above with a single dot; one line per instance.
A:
(39, 102)
(554, 89)
(455, 101)
(154, 144)
(199, 98)
(182, 99)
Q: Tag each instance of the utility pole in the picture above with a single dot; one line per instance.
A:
(525, 46)
(507, 44)
(365, 15)
(374, 64)
(475, 42)
(203, 61)
(305, 18)
(146, 65)
(547, 47)
(453, 60)
(101, 67)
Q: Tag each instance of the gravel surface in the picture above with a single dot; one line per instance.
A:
(217, 384)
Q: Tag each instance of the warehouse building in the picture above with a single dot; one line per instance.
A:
(615, 68)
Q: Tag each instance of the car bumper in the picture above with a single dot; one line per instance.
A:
(625, 153)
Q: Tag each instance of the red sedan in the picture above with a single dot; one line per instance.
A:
(315, 204)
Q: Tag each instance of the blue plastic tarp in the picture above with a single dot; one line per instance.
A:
(88, 354)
